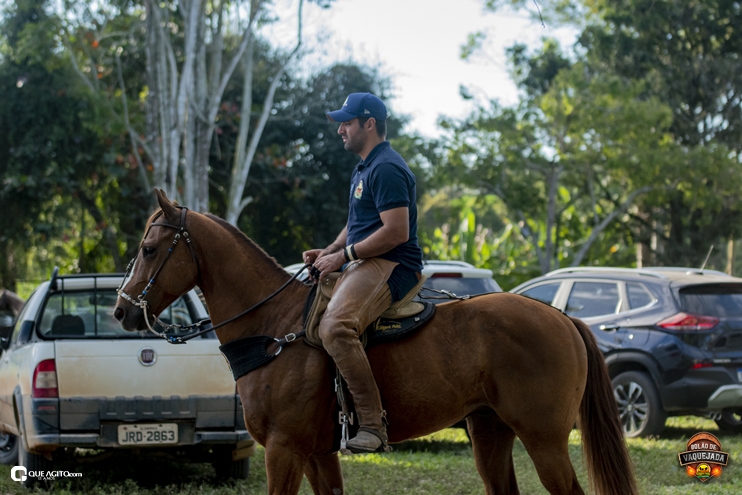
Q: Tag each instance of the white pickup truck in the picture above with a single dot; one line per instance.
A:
(71, 378)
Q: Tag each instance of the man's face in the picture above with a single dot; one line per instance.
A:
(354, 136)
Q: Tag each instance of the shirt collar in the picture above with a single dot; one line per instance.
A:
(374, 152)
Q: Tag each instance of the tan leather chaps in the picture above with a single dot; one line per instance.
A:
(361, 295)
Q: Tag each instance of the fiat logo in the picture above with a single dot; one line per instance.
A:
(147, 356)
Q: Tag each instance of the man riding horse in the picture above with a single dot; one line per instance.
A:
(377, 252)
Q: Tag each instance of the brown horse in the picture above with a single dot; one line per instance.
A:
(510, 365)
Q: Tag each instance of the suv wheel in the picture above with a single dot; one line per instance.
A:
(226, 468)
(639, 405)
(731, 420)
(8, 449)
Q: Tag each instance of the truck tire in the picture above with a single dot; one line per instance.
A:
(8, 449)
(32, 462)
(226, 468)
(639, 404)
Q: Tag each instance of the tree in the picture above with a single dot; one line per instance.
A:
(56, 161)
(570, 160)
(689, 55)
(685, 55)
(191, 51)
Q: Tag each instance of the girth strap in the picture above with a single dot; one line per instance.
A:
(250, 353)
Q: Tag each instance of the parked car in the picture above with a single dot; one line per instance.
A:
(71, 377)
(459, 277)
(672, 338)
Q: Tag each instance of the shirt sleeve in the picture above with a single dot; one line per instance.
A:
(390, 187)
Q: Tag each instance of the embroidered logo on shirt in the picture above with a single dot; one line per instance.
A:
(359, 190)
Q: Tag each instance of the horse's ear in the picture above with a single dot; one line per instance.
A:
(168, 209)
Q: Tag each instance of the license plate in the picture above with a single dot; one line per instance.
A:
(154, 433)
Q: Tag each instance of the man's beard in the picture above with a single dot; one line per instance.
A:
(356, 144)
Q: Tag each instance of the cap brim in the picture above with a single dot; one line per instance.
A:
(340, 116)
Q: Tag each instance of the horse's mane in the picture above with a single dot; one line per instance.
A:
(245, 241)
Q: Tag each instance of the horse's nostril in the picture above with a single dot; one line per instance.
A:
(119, 313)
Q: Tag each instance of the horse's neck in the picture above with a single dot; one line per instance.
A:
(236, 274)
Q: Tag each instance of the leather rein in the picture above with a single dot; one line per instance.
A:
(141, 301)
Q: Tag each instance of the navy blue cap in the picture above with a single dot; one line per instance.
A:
(359, 105)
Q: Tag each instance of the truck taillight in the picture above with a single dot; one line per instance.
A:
(45, 380)
(686, 322)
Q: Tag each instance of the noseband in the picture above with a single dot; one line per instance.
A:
(141, 302)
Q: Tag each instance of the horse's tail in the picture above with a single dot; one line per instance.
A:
(610, 470)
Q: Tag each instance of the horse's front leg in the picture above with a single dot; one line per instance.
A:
(324, 474)
(284, 468)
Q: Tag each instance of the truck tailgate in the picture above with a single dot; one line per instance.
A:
(112, 368)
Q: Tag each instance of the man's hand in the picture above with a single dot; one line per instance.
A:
(311, 256)
(326, 264)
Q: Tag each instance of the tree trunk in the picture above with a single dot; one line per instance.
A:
(241, 169)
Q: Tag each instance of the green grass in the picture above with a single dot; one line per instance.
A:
(438, 464)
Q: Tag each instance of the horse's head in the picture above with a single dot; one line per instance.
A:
(162, 270)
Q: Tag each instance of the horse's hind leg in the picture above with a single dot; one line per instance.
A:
(324, 474)
(492, 442)
(550, 455)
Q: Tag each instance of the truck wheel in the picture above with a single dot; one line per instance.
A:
(8, 449)
(32, 462)
(731, 420)
(639, 405)
(226, 468)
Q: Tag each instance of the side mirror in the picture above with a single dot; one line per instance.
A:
(4, 343)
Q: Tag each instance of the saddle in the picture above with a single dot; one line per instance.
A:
(400, 319)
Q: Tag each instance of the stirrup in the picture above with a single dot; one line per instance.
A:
(383, 447)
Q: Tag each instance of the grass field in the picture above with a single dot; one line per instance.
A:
(437, 464)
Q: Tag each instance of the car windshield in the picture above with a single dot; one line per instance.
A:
(461, 286)
(712, 300)
(89, 314)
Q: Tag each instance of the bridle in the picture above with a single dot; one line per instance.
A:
(141, 301)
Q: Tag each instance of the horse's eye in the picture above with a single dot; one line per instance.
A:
(148, 251)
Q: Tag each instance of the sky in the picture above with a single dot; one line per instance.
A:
(417, 44)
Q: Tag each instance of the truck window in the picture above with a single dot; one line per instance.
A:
(89, 314)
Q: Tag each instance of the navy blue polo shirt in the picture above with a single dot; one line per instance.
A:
(382, 182)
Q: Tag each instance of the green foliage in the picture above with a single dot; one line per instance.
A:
(687, 54)
(682, 58)
(570, 161)
(61, 173)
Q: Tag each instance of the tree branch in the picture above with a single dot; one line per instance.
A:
(132, 134)
(605, 222)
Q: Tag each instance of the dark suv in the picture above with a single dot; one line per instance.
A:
(672, 338)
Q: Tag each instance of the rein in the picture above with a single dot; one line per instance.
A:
(141, 302)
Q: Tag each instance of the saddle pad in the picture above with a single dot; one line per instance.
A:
(384, 329)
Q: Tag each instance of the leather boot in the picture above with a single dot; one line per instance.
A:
(353, 365)
(360, 296)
